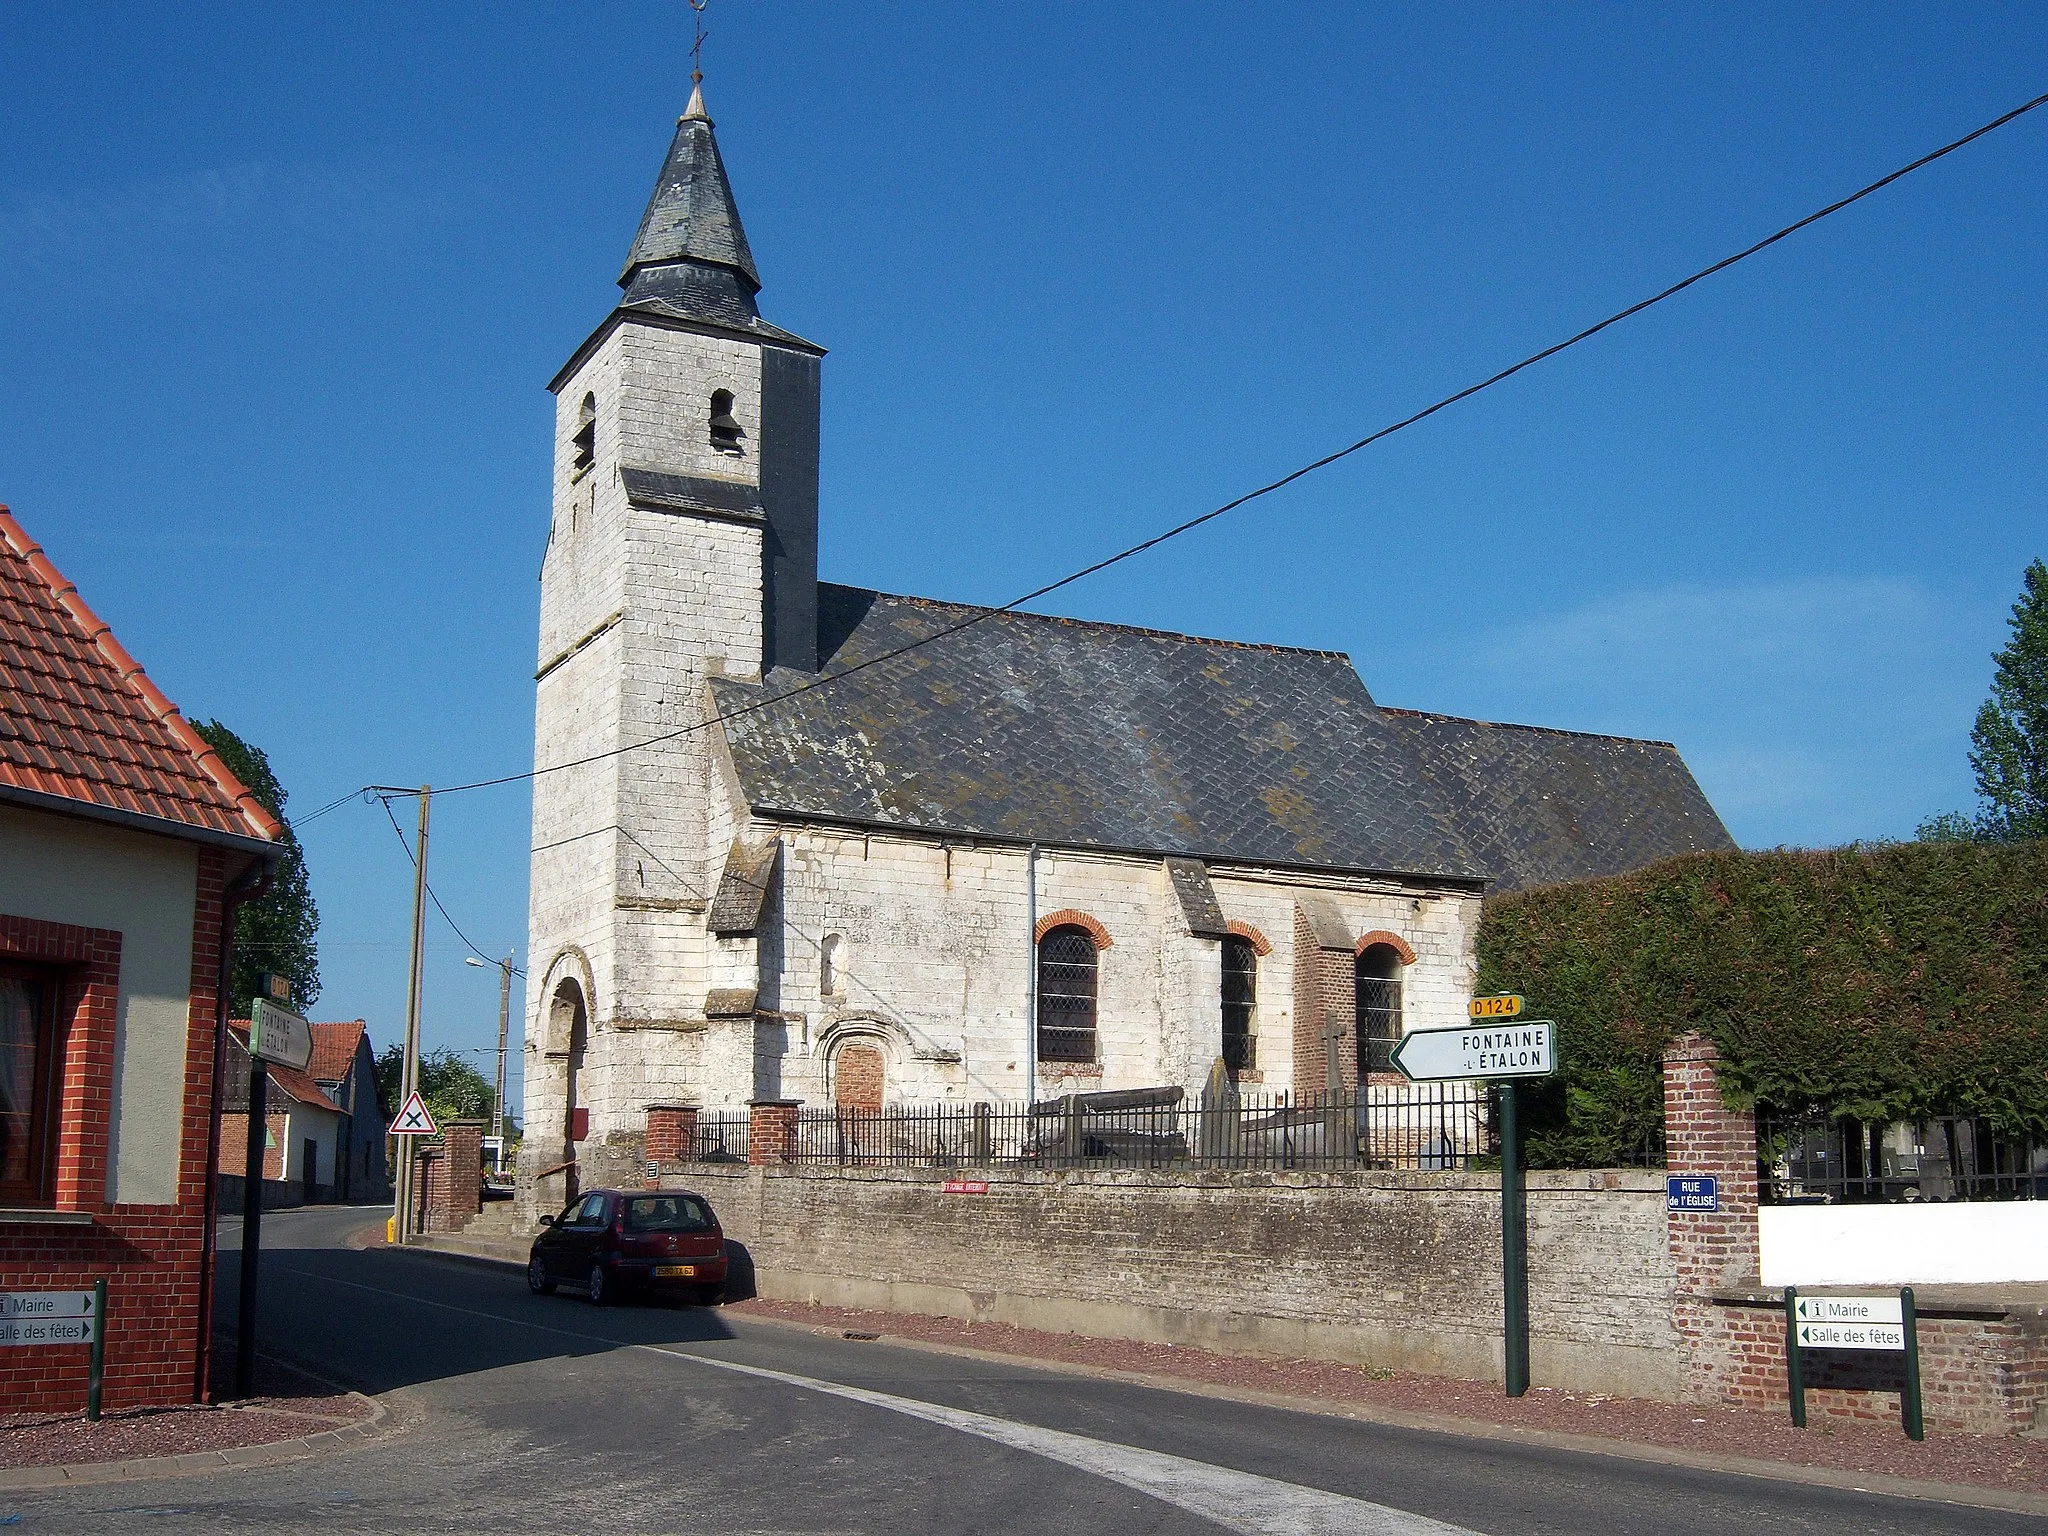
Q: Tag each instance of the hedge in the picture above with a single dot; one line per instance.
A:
(1878, 982)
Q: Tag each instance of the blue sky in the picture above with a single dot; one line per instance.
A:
(280, 288)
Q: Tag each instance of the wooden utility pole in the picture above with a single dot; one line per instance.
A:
(411, 1076)
(504, 1021)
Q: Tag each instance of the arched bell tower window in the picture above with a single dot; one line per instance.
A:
(726, 432)
(583, 445)
(830, 982)
(1067, 977)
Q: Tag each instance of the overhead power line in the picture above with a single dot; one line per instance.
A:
(403, 842)
(981, 615)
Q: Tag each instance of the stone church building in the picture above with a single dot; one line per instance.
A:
(1033, 856)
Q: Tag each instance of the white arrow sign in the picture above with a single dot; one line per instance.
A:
(1850, 1322)
(1449, 1055)
(279, 1035)
(413, 1120)
(45, 1317)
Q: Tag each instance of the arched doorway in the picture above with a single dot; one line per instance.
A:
(568, 1033)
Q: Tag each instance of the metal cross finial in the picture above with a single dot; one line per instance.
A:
(697, 48)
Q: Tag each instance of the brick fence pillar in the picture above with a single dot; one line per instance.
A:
(671, 1132)
(455, 1180)
(1714, 1250)
(771, 1130)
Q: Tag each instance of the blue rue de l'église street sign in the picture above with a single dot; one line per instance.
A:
(1692, 1192)
(1453, 1055)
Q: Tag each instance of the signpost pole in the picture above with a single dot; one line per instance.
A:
(1916, 1429)
(1514, 1247)
(1795, 1376)
(96, 1377)
(252, 1224)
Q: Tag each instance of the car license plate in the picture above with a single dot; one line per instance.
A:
(674, 1271)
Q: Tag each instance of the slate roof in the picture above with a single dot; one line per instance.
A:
(81, 722)
(1081, 734)
(1541, 806)
(1092, 735)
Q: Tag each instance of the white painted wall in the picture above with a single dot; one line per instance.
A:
(322, 1127)
(1981, 1242)
(60, 869)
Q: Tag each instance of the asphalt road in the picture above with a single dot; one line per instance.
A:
(546, 1414)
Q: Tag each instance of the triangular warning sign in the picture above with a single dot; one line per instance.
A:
(413, 1120)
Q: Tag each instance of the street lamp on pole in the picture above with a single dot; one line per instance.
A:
(504, 1018)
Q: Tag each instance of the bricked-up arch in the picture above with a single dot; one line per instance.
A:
(1067, 917)
(1393, 941)
(859, 1075)
(1259, 942)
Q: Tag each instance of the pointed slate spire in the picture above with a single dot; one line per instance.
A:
(690, 256)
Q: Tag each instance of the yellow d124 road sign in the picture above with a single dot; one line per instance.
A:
(1505, 1006)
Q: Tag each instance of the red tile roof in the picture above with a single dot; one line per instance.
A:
(334, 1049)
(291, 1080)
(81, 721)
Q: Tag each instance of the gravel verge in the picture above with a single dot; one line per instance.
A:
(287, 1406)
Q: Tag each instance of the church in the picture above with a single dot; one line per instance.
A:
(794, 840)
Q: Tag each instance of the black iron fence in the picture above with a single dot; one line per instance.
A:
(1414, 1126)
(721, 1136)
(1815, 1160)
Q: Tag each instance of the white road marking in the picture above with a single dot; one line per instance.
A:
(1243, 1502)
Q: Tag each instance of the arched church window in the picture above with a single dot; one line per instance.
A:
(726, 432)
(830, 983)
(583, 445)
(1379, 1007)
(1240, 999)
(1067, 975)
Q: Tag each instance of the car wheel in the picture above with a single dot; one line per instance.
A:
(599, 1288)
(708, 1295)
(537, 1280)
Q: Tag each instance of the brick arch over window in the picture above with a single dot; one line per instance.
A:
(1067, 917)
(1245, 931)
(1393, 941)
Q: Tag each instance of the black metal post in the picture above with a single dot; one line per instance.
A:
(1916, 1428)
(1514, 1247)
(252, 1227)
(1795, 1376)
(97, 1376)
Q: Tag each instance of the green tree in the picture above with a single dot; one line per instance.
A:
(276, 932)
(2009, 743)
(453, 1088)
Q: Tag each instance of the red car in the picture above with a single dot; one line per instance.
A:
(610, 1241)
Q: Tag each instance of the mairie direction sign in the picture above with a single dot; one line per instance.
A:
(1850, 1322)
(1521, 1049)
(45, 1317)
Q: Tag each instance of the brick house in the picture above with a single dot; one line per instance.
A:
(1032, 856)
(125, 847)
(304, 1131)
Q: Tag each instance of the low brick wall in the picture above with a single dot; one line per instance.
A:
(1396, 1270)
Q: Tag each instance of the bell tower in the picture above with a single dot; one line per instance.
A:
(683, 545)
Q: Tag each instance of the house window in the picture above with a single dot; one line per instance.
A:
(28, 1071)
(1240, 997)
(829, 982)
(726, 433)
(1066, 994)
(583, 446)
(1379, 1007)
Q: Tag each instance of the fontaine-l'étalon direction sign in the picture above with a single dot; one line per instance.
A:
(1521, 1049)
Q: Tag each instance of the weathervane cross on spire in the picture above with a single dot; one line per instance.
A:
(697, 48)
